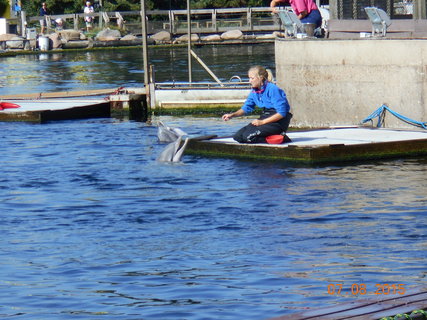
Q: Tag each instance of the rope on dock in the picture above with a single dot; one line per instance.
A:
(381, 112)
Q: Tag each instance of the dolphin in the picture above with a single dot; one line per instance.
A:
(168, 134)
(173, 151)
(178, 154)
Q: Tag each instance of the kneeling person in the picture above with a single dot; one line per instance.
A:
(275, 117)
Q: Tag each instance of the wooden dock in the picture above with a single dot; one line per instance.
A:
(59, 95)
(68, 105)
(397, 307)
(333, 145)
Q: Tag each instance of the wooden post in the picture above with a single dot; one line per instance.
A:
(145, 52)
(101, 19)
(171, 18)
(189, 41)
(333, 9)
(173, 22)
(23, 19)
(249, 18)
(214, 25)
(419, 9)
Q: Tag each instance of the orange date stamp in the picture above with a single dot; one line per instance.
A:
(360, 289)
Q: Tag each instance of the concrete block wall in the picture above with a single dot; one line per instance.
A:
(340, 82)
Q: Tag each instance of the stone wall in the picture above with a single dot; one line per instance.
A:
(340, 82)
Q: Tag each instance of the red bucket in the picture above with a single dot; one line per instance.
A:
(274, 139)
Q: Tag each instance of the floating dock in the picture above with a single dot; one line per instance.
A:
(42, 110)
(332, 145)
(69, 105)
(412, 305)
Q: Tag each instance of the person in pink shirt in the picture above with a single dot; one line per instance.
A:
(306, 10)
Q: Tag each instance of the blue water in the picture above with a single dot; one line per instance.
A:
(116, 68)
(93, 227)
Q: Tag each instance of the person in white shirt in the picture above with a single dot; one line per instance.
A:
(88, 19)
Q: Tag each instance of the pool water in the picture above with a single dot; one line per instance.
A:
(94, 227)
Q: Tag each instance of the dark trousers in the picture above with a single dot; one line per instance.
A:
(257, 134)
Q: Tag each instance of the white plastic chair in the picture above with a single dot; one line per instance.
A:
(379, 19)
(291, 22)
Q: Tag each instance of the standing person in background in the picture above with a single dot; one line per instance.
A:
(275, 117)
(17, 7)
(44, 13)
(306, 10)
(88, 19)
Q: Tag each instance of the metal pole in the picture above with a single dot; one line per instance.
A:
(145, 58)
(189, 40)
(206, 68)
(144, 43)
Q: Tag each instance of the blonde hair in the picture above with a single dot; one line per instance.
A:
(263, 73)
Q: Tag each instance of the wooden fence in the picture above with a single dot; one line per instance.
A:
(175, 21)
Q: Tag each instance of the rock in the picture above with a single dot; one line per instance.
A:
(212, 37)
(232, 35)
(108, 35)
(250, 37)
(15, 43)
(162, 36)
(76, 44)
(129, 37)
(7, 36)
(279, 34)
(69, 34)
(55, 39)
(184, 38)
(266, 36)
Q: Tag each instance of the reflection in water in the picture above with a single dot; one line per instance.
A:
(114, 68)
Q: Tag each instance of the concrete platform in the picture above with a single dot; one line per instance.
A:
(42, 110)
(332, 145)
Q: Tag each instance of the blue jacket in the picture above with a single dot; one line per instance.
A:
(269, 96)
(43, 12)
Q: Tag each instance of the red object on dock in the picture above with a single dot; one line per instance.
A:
(275, 139)
(8, 105)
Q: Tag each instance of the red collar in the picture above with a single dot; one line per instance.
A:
(256, 90)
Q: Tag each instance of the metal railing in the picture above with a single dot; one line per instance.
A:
(175, 21)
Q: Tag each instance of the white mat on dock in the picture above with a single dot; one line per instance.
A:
(50, 104)
(346, 136)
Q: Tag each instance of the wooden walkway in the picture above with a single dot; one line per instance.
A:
(373, 309)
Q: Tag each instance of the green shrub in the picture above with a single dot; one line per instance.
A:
(3, 6)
